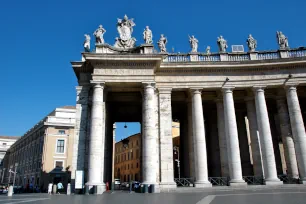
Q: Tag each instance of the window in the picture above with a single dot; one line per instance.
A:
(136, 142)
(59, 164)
(61, 132)
(137, 153)
(60, 146)
(132, 166)
(4, 144)
(128, 166)
(137, 165)
(131, 155)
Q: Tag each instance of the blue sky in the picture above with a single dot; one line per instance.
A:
(40, 38)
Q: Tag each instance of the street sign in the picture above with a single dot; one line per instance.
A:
(79, 179)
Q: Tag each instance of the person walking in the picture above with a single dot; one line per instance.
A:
(59, 187)
(50, 188)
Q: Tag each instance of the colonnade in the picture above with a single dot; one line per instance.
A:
(157, 148)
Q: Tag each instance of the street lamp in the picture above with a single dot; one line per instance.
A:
(10, 171)
(15, 172)
(177, 151)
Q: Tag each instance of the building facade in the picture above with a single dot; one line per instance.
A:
(5, 143)
(211, 94)
(44, 153)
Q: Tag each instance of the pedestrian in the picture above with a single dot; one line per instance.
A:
(59, 187)
(50, 188)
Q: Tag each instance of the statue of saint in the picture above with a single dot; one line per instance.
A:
(252, 43)
(99, 35)
(125, 30)
(147, 35)
(222, 43)
(162, 43)
(282, 40)
(208, 50)
(87, 43)
(193, 43)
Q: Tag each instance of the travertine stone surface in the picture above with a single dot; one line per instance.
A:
(199, 141)
(96, 140)
(166, 144)
(265, 138)
(232, 142)
(80, 129)
(190, 139)
(254, 136)
(149, 135)
(222, 138)
(298, 129)
(286, 134)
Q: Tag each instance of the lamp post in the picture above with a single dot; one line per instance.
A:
(10, 171)
(177, 151)
(3, 172)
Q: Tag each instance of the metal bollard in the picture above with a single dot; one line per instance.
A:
(68, 189)
(152, 188)
(145, 188)
(87, 190)
(95, 190)
(130, 187)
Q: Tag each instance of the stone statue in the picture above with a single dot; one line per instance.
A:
(208, 50)
(99, 35)
(282, 40)
(87, 43)
(252, 43)
(125, 30)
(193, 43)
(222, 43)
(162, 43)
(147, 35)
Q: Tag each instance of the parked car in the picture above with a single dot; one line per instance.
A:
(117, 181)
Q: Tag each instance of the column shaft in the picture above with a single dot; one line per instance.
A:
(96, 140)
(166, 143)
(254, 135)
(265, 138)
(190, 139)
(149, 135)
(298, 130)
(232, 141)
(289, 149)
(199, 142)
(222, 138)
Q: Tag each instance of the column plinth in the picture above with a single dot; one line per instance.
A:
(232, 141)
(298, 130)
(265, 138)
(199, 141)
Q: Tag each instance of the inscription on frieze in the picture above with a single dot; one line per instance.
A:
(123, 72)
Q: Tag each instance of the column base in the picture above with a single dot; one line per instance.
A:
(202, 184)
(100, 187)
(235, 182)
(156, 186)
(167, 185)
(275, 182)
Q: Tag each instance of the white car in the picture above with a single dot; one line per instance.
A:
(117, 181)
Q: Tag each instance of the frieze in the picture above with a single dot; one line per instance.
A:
(122, 72)
(124, 64)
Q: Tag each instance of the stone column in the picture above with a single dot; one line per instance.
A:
(222, 138)
(80, 131)
(298, 129)
(166, 143)
(96, 141)
(233, 151)
(149, 134)
(156, 111)
(265, 138)
(199, 143)
(288, 143)
(190, 139)
(254, 135)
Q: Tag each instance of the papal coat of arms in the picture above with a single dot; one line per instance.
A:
(125, 30)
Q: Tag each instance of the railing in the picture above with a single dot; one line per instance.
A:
(296, 53)
(268, 55)
(238, 57)
(185, 182)
(288, 179)
(254, 180)
(209, 58)
(178, 58)
(219, 181)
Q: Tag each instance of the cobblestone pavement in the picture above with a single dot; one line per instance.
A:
(237, 196)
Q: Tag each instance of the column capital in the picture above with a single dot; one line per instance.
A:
(258, 88)
(291, 86)
(98, 84)
(164, 90)
(195, 90)
(227, 89)
(148, 84)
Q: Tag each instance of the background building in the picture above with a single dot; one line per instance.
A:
(41, 155)
(5, 144)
